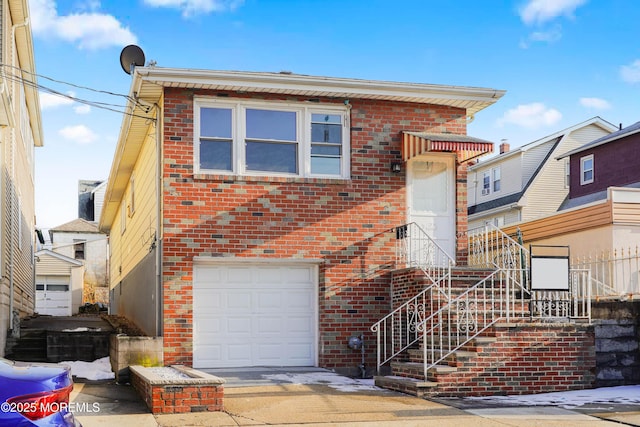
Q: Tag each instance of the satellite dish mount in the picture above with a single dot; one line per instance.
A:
(131, 57)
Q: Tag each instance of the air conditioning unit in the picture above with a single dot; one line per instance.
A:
(485, 191)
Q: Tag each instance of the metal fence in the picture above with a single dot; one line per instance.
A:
(614, 273)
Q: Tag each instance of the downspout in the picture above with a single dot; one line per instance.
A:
(159, 294)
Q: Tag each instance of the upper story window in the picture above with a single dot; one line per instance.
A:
(491, 181)
(586, 169)
(78, 249)
(269, 138)
(496, 179)
(567, 173)
(486, 183)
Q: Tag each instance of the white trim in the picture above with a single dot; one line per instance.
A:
(204, 260)
(303, 112)
(473, 99)
(583, 170)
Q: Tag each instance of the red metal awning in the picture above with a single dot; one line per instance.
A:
(466, 147)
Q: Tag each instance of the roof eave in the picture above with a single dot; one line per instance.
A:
(473, 99)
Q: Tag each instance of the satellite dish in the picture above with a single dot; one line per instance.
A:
(130, 57)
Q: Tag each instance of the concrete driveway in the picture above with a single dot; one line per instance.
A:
(276, 397)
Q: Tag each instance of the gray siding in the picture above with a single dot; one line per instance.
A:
(136, 296)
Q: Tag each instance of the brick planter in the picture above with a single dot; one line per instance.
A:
(200, 392)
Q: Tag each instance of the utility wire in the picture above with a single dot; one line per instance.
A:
(102, 105)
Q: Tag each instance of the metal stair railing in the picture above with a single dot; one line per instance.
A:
(399, 329)
(499, 296)
(491, 247)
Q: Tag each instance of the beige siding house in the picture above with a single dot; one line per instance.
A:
(58, 283)
(528, 182)
(20, 133)
(82, 241)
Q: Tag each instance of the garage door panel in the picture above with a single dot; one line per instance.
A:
(300, 300)
(269, 301)
(254, 316)
(268, 325)
(237, 275)
(300, 325)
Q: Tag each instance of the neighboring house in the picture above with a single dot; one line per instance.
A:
(20, 133)
(600, 218)
(82, 241)
(528, 182)
(58, 283)
(91, 199)
(247, 212)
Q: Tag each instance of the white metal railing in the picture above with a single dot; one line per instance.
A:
(500, 296)
(399, 330)
(414, 248)
(615, 273)
(490, 247)
(575, 304)
(446, 322)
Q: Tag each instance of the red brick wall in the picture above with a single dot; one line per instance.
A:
(526, 359)
(174, 399)
(345, 223)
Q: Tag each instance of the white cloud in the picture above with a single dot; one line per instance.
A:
(79, 133)
(551, 35)
(595, 103)
(49, 100)
(194, 7)
(89, 30)
(82, 109)
(631, 73)
(531, 116)
(541, 11)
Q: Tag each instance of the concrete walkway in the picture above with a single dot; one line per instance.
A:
(250, 400)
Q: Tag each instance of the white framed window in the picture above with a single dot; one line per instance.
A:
(495, 172)
(586, 169)
(567, 173)
(271, 138)
(486, 183)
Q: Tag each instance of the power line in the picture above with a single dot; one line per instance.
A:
(101, 105)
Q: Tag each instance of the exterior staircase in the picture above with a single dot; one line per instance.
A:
(406, 371)
(458, 332)
(31, 346)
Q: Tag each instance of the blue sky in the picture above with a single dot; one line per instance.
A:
(560, 61)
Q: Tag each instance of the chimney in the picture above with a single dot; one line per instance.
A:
(504, 146)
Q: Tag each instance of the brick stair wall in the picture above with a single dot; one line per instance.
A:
(515, 358)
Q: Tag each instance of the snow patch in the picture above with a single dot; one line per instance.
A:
(99, 369)
(570, 399)
(330, 379)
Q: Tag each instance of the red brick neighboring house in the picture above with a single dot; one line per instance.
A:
(250, 213)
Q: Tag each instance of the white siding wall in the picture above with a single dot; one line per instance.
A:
(547, 192)
(531, 160)
(509, 168)
(98, 200)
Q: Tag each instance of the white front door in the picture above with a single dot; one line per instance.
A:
(53, 296)
(431, 193)
(254, 315)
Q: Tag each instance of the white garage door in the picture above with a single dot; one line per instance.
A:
(249, 315)
(53, 296)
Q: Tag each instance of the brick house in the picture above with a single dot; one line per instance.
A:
(250, 213)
